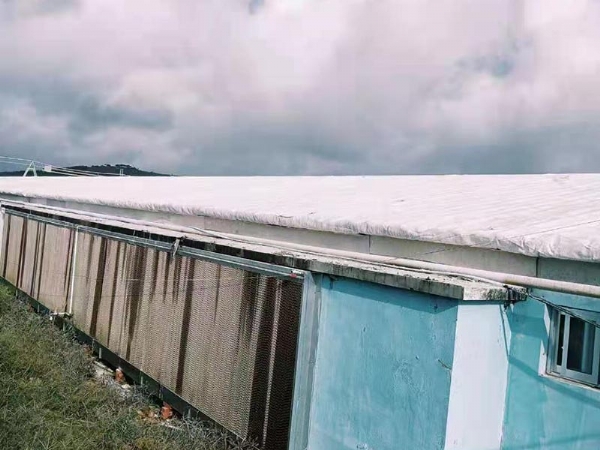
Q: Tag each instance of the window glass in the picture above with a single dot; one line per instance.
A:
(561, 340)
(580, 355)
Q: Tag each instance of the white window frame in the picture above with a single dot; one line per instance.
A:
(559, 368)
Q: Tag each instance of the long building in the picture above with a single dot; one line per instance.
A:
(332, 313)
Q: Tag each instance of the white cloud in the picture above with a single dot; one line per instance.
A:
(308, 85)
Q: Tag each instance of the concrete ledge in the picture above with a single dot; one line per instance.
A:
(453, 255)
(458, 288)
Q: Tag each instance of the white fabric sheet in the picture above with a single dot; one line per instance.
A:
(556, 216)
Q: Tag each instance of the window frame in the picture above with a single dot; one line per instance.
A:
(559, 368)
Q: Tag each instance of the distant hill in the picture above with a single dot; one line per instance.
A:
(102, 169)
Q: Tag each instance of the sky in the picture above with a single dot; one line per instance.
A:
(303, 87)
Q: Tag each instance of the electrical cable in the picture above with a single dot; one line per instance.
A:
(39, 165)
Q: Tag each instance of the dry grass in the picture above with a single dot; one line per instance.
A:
(50, 400)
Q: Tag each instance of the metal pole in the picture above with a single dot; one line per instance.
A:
(31, 167)
(73, 268)
(400, 263)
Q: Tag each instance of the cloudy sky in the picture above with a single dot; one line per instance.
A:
(216, 87)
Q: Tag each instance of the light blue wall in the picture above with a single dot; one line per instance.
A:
(382, 376)
(543, 412)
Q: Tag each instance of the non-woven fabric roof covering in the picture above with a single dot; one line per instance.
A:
(555, 216)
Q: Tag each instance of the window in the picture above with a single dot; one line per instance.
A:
(574, 350)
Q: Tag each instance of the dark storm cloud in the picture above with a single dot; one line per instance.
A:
(89, 115)
(303, 86)
(15, 9)
(84, 109)
(254, 148)
(567, 148)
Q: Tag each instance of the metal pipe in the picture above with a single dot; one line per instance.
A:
(566, 287)
(73, 267)
(2, 219)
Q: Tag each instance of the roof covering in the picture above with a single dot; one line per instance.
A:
(555, 216)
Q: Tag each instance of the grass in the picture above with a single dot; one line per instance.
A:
(49, 398)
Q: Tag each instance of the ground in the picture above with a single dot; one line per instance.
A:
(49, 398)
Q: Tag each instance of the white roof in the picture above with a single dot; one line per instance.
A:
(555, 216)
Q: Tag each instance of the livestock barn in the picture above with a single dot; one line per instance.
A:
(332, 313)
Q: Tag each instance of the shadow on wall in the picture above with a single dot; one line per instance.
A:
(543, 412)
(383, 368)
(536, 329)
(390, 296)
(589, 441)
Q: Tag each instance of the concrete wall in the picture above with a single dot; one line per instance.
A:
(543, 412)
(383, 368)
(479, 377)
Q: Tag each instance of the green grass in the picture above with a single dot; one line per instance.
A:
(50, 400)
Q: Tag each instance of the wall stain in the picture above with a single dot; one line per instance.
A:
(113, 291)
(69, 268)
(260, 381)
(8, 220)
(22, 252)
(289, 297)
(98, 285)
(135, 290)
(154, 272)
(90, 252)
(124, 262)
(177, 277)
(35, 259)
(249, 307)
(217, 292)
(68, 263)
(167, 272)
(44, 230)
(185, 326)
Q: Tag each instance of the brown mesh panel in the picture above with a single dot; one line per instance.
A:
(36, 259)
(222, 338)
(83, 292)
(26, 273)
(12, 250)
(5, 237)
(53, 269)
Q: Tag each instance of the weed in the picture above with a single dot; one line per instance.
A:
(49, 399)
